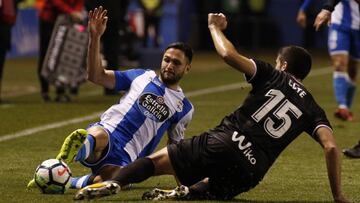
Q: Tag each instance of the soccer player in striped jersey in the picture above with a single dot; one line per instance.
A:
(133, 127)
(344, 48)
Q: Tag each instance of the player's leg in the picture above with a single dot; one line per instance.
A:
(71, 146)
(81, 181)
(45, 30)
(354, 152)
(339, 47)
(215, 160)
(352, 71)
(138, 171)
(341, 83)
(353, 65)
(105, 173)
(83, 145)
(183, 160)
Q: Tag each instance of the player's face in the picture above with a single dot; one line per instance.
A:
(173, 66)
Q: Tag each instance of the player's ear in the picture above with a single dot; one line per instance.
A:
(187, 68)
(284, 65)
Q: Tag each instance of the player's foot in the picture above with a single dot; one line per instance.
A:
(72, 145)
(98, 190)
(159, 194)
(353, 152)
(344, 114)
(31, 184)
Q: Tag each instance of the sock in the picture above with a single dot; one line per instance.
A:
(199, 191)
(340, 82)
(87, 148)
(350, 94)
(138, 171)
(80, 182)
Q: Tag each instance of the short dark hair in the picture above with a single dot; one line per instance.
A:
(183, 47)
(298, 60)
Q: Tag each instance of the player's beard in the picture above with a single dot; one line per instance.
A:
(169, 78)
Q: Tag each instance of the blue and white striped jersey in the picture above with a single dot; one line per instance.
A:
(145, 112)
(346, 14)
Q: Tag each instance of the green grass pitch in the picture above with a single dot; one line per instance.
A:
(299, 175)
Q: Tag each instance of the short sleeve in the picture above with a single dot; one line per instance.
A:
(176, 132)
(263, 71)
(123, 79)
(319, 119)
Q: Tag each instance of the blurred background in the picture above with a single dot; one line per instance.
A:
(253, 24)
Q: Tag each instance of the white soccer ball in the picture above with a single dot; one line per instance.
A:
(52, 176)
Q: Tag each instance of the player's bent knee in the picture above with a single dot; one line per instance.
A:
(340, 63)
(101, 137)
(162, 162)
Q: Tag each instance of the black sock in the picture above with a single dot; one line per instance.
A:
(136, 172)
(199, 191)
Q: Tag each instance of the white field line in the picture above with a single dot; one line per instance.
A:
(92, 116)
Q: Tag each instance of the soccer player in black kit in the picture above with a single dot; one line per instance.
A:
(234, 156)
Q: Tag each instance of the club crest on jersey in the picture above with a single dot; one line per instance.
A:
(179, 106)
(154, 107)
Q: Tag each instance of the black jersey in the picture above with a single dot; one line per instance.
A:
(276, 111)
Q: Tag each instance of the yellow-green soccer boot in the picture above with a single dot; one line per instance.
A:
(72, 145)
(31, 184)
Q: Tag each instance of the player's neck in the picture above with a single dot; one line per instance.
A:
(174, 87)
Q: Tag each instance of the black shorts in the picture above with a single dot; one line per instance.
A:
(205, 156)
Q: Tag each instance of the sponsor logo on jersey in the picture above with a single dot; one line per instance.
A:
(154, 107)
(245, 147)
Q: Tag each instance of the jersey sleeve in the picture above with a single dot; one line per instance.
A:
(123, 79)
(263, 71)
(176, 132)
(319, 119)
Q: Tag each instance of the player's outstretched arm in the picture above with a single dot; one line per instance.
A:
(96, 73)
(217, 23)
(332, 156)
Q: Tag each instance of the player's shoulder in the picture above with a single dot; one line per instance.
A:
(137, 72)
(188, 103)
(141, 71)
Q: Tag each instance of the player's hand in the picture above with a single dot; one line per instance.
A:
(323, 17)
(301, 18)
(97, 21)
(217, 20)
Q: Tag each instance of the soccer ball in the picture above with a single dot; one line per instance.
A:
(52, 176)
